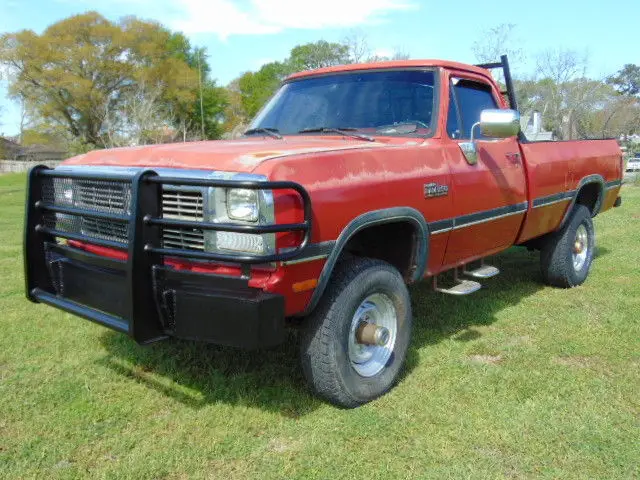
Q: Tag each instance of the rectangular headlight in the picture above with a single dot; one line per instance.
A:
(242, 204)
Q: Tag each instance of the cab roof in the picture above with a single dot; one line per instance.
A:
(395, 64)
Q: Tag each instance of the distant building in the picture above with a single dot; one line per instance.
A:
(632, 139)
(12, 150)
(533, 130)
(8, 148)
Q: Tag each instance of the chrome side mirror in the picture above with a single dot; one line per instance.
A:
(494, 123)
(497, 123)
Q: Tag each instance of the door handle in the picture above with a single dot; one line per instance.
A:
(513, 157)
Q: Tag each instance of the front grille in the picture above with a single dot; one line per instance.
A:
(115, 197)
(183, 205)
(100, 196)
(112, 197)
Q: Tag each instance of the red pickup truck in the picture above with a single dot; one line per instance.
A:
(352, 182)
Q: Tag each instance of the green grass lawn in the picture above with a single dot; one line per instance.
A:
(518, 380)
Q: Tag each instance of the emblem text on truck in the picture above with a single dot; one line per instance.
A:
(434, 190)
(317, 218)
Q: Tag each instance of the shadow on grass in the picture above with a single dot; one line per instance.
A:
(199, 374)
(438, 317)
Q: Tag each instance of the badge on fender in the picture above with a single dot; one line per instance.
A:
(435, 190)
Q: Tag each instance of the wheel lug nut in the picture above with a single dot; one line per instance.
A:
(382, 336)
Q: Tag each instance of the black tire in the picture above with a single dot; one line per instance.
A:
(324, 346)
(556, 257)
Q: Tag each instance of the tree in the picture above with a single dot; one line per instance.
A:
(250, 91)
(139, 121)
(212, 109)
(318, 55)
(573, 105)
(257, 87)
(627, 80)
(83, 68)
(395, 54)
(619, 118)
(625, 118)
(497, 41)
(235, 116)
(358, 49)
(561, 92)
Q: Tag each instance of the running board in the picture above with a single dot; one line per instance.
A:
(465, 287)
(462, 287)
(484, 271)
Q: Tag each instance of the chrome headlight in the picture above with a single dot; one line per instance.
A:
(243, 204)
(240, 206)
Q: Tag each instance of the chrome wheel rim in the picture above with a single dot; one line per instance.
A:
(375, 310)
(580, 248)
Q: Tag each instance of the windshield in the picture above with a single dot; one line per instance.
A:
(383, 103)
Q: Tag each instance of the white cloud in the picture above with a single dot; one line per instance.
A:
(260, 17)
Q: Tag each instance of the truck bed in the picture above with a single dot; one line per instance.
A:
(556, 170)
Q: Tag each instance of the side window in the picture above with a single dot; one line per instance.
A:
(472, 97)
(453, 125)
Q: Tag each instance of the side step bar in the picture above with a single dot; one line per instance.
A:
(466, 287)
(483, 271)
(462, 287)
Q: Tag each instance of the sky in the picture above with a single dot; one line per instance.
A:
(242, 35)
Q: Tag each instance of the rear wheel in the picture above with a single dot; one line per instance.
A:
(567, 254)
(355, 342)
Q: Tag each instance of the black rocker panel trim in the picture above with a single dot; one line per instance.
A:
(489, 215)
(441, 226)
(552, 199)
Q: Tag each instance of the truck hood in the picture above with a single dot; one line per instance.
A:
(242, 155)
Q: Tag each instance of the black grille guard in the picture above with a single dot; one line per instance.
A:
(144, 240)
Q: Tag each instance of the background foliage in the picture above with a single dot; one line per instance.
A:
(88, 82)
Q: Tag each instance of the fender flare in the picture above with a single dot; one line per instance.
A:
(589, 179)
(369, 219)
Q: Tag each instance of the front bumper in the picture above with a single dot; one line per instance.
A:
(213, 308)
(140, 295)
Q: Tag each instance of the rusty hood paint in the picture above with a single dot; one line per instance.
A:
(242, 155)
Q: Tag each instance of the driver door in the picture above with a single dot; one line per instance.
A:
(489, 197)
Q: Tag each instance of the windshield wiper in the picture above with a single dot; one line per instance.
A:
(272, 132)
(347, 132)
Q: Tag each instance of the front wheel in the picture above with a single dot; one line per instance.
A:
(355, 342)
(567, 254)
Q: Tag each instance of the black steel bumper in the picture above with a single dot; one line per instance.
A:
(140, 296)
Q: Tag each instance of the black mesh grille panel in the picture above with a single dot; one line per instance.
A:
(98, 196)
